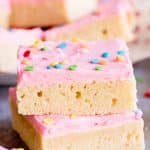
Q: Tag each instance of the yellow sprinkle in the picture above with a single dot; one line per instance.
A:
(37, 42)
(54, 63)
(119, 58)
(72, 116)
(19, 148)
(48, 121)
(25, 62)
(76, 40)
(103, 62)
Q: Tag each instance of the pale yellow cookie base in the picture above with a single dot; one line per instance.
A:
(78, 98)
(4, 20)
(108, 28)
(127, 136)
(49, 13)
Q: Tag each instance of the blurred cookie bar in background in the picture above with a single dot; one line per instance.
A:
(112, 19)
(34, 13)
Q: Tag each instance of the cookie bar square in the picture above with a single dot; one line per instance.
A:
(55, 132)
(75, 78)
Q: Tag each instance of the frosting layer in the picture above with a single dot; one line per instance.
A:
(65, 61)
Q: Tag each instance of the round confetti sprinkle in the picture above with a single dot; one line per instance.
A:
(62, 45)
(76, 40)
(48, 67)
(98, 68)
(147, 94)
(121, 52)
(54, 63)
(37, 42)
(29, 68)
(119, 58)
(44, 49)
(102, 62)
(94, 61)
(25, 62)
(105, 54)
(27, 53)
(73, 67)
(58, 66)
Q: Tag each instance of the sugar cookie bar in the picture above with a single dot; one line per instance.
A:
(10, 40)
(55, 132)
(4, 13)
(75, 78)
(113, 19)
(31, 13)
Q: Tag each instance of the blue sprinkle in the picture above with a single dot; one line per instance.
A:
(121, 52)
(58, 66)
(48, 67)
(94, 61)
(62, 45)
(106, 54)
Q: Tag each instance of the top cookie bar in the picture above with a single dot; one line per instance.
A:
(75, 77)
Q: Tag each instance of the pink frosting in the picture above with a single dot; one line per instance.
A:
(73, 53)
(105, 9)
(5, 5)
(63, 125)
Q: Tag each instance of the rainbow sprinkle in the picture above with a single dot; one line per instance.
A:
(27, 53)
(44, 49)
(76, 40)
(121, 52)
(103, 62)
(105, 55)
(29, 68)
(58, 66)
(73, 67)
(94, 61)
(120, 58)
(62, 45)
(98, 68)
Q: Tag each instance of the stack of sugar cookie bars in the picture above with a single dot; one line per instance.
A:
(76, 95)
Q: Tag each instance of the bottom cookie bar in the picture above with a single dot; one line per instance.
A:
(56, 132)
